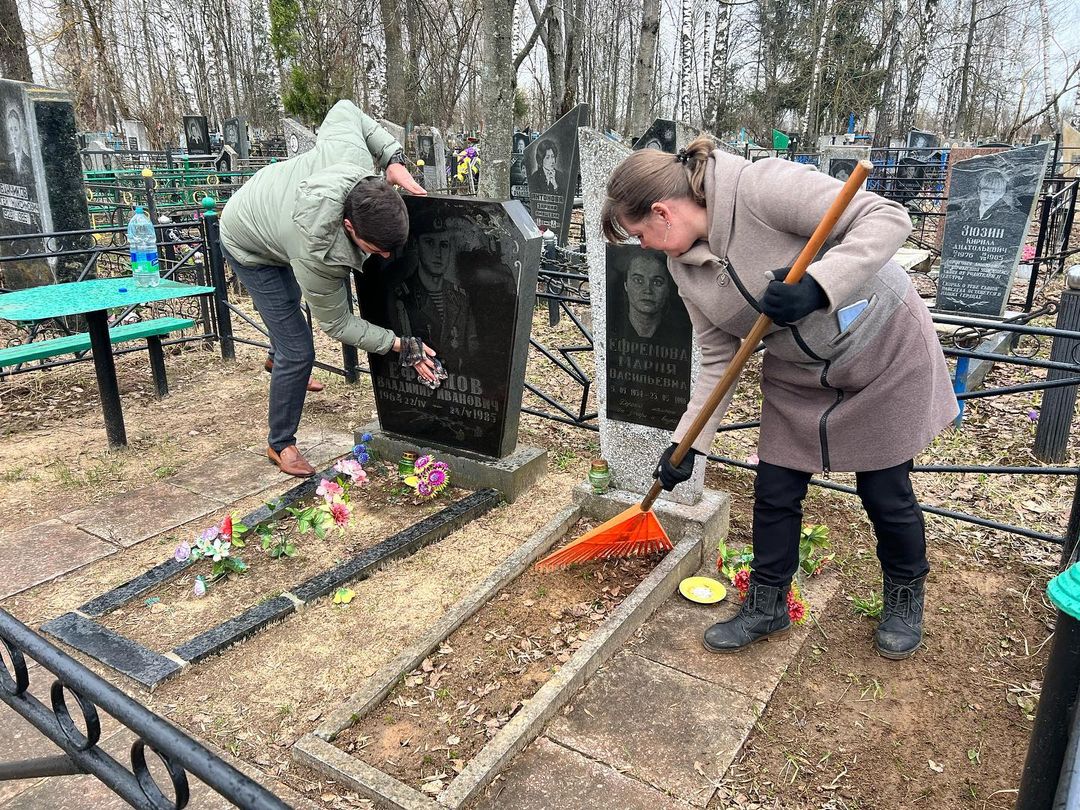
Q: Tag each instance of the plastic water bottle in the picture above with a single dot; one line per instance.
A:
(142, 243)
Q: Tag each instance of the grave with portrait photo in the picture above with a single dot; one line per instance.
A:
(643, 342)
(990, 205)
(922, 142)
(519, 173)
(552, 166)
(298, 138)
(41, 181)
(234, 134)
(465, 284)
(196, 135)
(840, 161)
(661, 135)
(431, 148)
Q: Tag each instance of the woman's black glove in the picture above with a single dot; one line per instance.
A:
(671, 476)
(787, 303)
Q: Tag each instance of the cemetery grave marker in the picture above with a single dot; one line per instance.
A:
(196, 135)
(234, 133)
(840, 161)
(991, 201)
(298, 138)
(465, 283)
(552, 165)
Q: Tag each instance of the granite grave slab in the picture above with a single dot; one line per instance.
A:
(298, 138)
(635, 425)
(990, 205)
(519, 172)
(431, 148)
(197, 135)
(552, 165)
(660, 135)
(840, 161)
(112, 649)
(234, 133)
(465, 283)
(41, 181)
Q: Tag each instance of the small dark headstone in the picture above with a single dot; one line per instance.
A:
(431, 148)
(918, 139)
(648, 340)
(196, 135)
(991, 201)
(223, 163)
(552, 165)
(519, 173)
(465, 283)
(41, 181)
(234, 133)
(661, 135)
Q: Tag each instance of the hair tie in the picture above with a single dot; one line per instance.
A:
(683, 156)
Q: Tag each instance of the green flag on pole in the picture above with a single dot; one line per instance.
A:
(780, 141)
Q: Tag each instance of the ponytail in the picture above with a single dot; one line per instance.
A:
(649, 176)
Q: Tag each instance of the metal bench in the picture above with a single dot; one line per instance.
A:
(150, 331)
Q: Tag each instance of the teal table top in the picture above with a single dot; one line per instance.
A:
(80, 297)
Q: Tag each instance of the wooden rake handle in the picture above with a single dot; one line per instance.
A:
(757, 332)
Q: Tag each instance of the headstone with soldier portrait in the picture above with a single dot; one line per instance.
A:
(235, 135)
(465, 284)
(41, 181)
(431, 148)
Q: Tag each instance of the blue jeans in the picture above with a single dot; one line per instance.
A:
(276, 296)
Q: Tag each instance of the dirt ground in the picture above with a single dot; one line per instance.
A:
(846, 729)
(433, 723)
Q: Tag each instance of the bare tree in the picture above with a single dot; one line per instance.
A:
(498, 82)
(14, 58)
(641, 100)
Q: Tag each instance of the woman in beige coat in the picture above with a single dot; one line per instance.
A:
(853, 377)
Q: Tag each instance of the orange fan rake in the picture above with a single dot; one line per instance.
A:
(635, 531)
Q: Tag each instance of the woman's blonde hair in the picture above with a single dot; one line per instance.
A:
(649, 176)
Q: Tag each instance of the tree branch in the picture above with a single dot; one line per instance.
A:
(537, 32)
(1065, 88)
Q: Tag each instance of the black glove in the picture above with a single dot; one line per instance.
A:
(787, 303)
(412, 351)
(671, 476)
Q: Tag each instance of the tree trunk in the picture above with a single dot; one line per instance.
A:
(397, 104)
(497, 71)
(813, 108)
(962, 117)
(575, 31)
(718, 70)
(686, 63)
(923, 30)
(641, 100)
(14, 58)
(1044, 47)
(883, 130)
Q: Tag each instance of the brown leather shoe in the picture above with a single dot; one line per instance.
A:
(313, 385)
(290, 461)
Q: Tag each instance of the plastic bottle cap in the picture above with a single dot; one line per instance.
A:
(121, 289)
(138, 209)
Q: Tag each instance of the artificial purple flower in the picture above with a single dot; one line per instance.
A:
(366, 438)
(210, 534)
(423, 489)
(422, 463)
(436, 478)
(183, 552)
(1033, 415)
(200, 587)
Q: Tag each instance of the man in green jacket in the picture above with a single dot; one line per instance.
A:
(300, 227)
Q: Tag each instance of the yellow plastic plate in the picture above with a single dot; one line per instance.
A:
(703, 590)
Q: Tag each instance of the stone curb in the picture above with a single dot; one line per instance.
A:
(529, 721)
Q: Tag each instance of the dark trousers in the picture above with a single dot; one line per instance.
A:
(887, 497)
(276, 296)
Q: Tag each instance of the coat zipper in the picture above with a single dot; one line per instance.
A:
(823, 434)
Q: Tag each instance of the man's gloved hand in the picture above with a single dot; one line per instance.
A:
(415, 355)
(671, 476)
(787, 303)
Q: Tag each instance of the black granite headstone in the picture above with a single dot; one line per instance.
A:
(649, 337)
(196, 135)
(918, 139)
(552, 166)
(465, 283)
(661, 135)
(519, 173)
(234, 133)
(41, 181)
(991, 201)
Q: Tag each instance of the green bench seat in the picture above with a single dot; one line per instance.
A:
(150, 331)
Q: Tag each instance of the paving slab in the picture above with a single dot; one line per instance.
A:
(673, 638)
(229, 477)
(659, 725)
(43, 552)
(139, 514)
(547, 775)
(318, 445)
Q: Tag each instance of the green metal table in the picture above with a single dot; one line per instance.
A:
(93, 299)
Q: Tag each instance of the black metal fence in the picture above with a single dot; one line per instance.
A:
(73, 721)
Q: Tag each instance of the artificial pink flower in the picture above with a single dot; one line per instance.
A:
(422, 462)
(183, 552)
(340, 513)
(436, 478)
(796, 606)
(353, 469)
(328, 489)
(423, 489)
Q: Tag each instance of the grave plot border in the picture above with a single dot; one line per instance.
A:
(79, 629)
(316, 749)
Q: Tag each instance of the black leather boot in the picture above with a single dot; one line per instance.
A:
(763, 613)
(900, 631)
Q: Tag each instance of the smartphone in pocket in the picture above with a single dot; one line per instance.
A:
(846, 315)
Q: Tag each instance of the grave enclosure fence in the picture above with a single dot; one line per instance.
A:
(78, 732)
